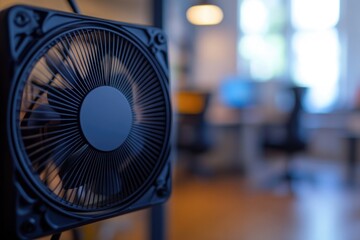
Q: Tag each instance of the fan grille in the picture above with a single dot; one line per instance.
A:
(63, 163)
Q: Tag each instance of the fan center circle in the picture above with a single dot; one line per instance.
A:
(105, 118)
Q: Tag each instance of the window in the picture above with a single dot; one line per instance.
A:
(309, 51)
(316, 50)
(262, 44)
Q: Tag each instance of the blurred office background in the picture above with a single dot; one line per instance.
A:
(266, 119)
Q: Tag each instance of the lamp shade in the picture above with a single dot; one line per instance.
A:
(204, 14)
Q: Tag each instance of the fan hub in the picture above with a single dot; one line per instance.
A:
(105, 118)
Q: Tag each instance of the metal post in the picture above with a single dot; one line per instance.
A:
(158, 13)
(158, 212)
(157, 222)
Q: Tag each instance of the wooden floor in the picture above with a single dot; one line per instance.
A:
(229, 208)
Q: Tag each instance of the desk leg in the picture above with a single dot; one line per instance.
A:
(352, 155)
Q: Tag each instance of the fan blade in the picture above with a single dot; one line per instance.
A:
(74, 174)
(60, 99)
(58, 61)
(52, 59)
(41, 116)
(33, 129)
(69, 172)
(106, 182)
(68, 73)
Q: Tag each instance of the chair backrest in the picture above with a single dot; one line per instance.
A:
(294, 128)
(192, 127)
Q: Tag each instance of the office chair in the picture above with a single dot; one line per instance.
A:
(292, 140)
(193, 133)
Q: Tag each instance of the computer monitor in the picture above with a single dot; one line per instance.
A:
(237, 92)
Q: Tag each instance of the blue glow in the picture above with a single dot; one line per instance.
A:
(237, 93)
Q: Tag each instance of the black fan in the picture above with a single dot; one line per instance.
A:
(87, 116)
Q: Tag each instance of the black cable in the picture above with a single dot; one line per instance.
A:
(74, 6)
(56, 236)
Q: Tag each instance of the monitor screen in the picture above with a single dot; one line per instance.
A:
(236, 92)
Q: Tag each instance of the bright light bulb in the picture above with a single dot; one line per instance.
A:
(204, 14)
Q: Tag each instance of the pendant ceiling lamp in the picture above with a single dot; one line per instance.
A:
(204, 13)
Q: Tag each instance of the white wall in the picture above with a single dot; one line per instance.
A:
(215, 48)
(350, 29)
(214, 57)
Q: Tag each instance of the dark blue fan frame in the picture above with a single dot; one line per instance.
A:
(58, 100)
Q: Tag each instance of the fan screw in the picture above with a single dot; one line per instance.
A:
(153, 50)
(40, 208)
(29, 225)
(162, 190)
(39, 32)
(160, 38)
(21, 19)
